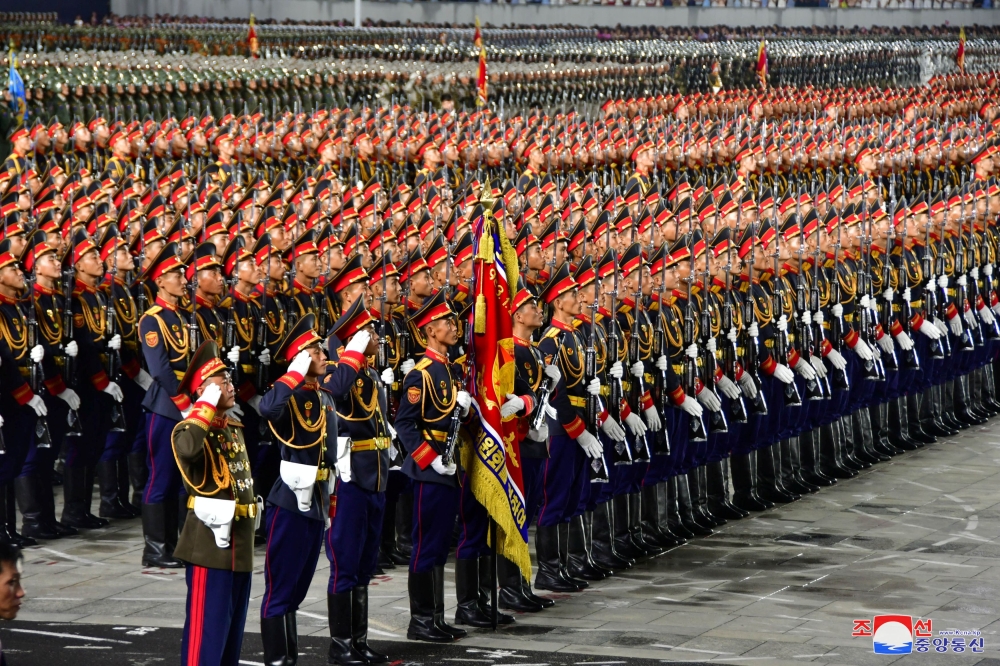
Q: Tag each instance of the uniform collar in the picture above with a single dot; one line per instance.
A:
(166, 306)
(521, 342)
(435, 355)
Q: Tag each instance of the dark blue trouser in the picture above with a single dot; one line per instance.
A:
(39, 462)
(164, 480)
(531, 475)
(118, 444)
(217, 603)
(435, 507)
(353, 538)
(564, 480)
(293, 543)
(473, 523)
(19, 436)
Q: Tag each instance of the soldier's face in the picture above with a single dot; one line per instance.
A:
(210, 281)
(172, 283)
(529, 315)
(48, 266)
(126, 261)
(248, 272)
(90, 265)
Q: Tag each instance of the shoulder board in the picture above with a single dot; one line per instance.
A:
(423, 364)
(227, 302)
(551, 332)
(234, 423)
(460, 361)
(155, 310)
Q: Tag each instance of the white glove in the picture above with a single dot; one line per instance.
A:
(889, 294)
(885, 343)
(70, 397)
(359, 343)
(233, 355)
(211, 394)
(904, 341)
(970, 317)
(692, 350)
(818, 317)
(186, 412)
(943, 281)
(783, 374)
(550, 411)
(932, 283)
(753, 330)
(301, 363)
(406, 366)
(114, 391)
(265, 357)
(464, 400)
(930, 330)
(974, 273)
(732, 334)
(539, 435)
(783, 324)
(342, 463)
(748, 385)
(661, 362)
(986, 315)
(143, 379)
(637, 369)
(444, 470)
(115, 343)
(817, 364)
(635, 424)
(941, 326)
(594, 387)
(955, 324)
(807, 318)
(962, 281)
(711, 345)
(709, 400)
(805, 370)
(728, 387)
(988, 269)
(235, 412)
(836, 359)
(837, 309)
(996, 309)
(552, 372)
(907, 294)
(653, 419)
(862, 349)
(613, 429)
(254, 403)
(591, 445)
(691, 406)
(1, 421)
(865, 301)
(388, 376)
(616, 371)
(37, 404)
(72, 349)
(37, 353)
(511, 406)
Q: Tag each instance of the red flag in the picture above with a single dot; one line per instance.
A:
(481, 96)
(493, 461)
(762, 64)
(960, 54)
(252, 40)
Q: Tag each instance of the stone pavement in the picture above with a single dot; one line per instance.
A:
(917, 535)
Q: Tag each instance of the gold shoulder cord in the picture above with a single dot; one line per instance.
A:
(444, 407)
(245, 333)
(125, 308)
(52, 332)
(95, 326)
(18, 347)
(320, 426)
(574, 370)
(168, 337)
(218, 467)
(368, 408)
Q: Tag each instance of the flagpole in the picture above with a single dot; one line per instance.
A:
(493, 573)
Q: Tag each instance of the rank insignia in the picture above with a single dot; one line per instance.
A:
(413, 395)
(152, 338)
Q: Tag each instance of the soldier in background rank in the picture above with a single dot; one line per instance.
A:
(163, 334)
(426, 411)
(210, 289)
(359, 498)
(301, 416)
(303, 296)
(216, 542)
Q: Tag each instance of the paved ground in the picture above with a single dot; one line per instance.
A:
(916, 536)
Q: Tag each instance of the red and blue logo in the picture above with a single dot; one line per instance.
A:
(893, 634)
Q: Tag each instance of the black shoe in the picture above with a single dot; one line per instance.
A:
(342, 650)
(549, 576)
(513, 598)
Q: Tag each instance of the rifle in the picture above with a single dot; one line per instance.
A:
(752, 353)
(696, 424)
(737, 408)
(114, 362)
(966, 342)
(260, 345)
(910, 357)
(873, 369)
(43, 437)
(791, 391)
(716, 420)
(803, 337)
(622, 451)
(661, 440)
(930, 294)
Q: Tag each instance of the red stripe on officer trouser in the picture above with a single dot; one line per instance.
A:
(196, 614)
(152, 459)
(420, 528)
(267, 564)
(545, 493)
(334, 567)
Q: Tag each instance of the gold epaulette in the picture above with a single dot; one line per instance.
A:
(551, 332)
(423, 364)
(155, 310)
(226, 302)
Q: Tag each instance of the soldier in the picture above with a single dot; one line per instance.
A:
(431, 400)
(216, 541)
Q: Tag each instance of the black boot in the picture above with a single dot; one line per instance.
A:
(930, 407)
(339, 612)
(578, 564)
(138, 474)
(770, 488)
(564, 558)
(124, 487)
(387, 544)
(846, 437)
(156, 554)
(28, 492)
(948, 407)
(273, 634)
(718, 492)
(791, 467)
(674, 519)
(439, 620)
(16, 538)
(963, 403)
(917, 431)
(899, 433)
(648, 546)
(404, 529)
(467, 591)
(623, 538)
(549, 576)
(653, 529)
(511, 594)
(486, 589)
(745, 483)
(861, 424)
(422, 625)
(831, 454)
(292, 636)
(810, 456)
(111, 504)
(359, 627)
(603, 543)
(878, 417)
(76, 506)
(685, 506)
(699, 493)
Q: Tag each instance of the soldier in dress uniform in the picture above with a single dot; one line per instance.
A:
(358, 500)
(163, 334)
(216, 542)
(303, 294)
(301, 416)
(205, 271)
(426, 412)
